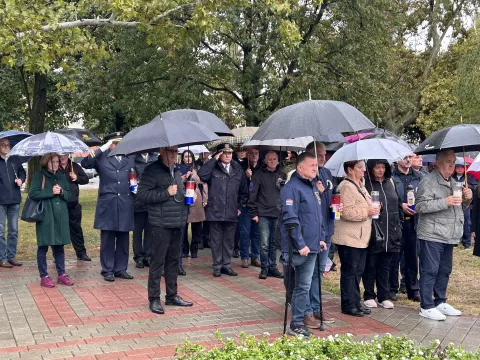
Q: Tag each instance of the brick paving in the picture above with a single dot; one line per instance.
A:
(99, 320)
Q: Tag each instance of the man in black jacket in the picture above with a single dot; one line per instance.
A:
(263, 209)
(161, 189)
(227, 196)
(12, 176)
(75, 176)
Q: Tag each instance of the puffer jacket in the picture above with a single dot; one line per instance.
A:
(140, 165)
(391, 217)
(227, 193)
(437, 221)
(163, 209)
(355, 226)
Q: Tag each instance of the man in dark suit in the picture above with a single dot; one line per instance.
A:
(114, 213)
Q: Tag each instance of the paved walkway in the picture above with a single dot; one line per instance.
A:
(99, 320)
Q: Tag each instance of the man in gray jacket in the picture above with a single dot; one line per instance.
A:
(440, 227)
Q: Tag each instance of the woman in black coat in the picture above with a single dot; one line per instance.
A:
(475, 219)
(378, 178)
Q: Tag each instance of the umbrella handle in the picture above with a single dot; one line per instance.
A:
(465, 167)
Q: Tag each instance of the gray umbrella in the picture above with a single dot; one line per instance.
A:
(205, 118)
(160, 133)
(322, 119)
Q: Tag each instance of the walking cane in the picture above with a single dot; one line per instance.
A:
(290, 228)
(322, 327)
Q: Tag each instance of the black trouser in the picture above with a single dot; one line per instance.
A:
(236, 243)
(142, 237)
(76, 232)
(352, 262)
(377, 268)
(113, 251)
(166, 246)
(206, 233)
(410, 250)
(222, 237)
(197, 238)
(331, 251)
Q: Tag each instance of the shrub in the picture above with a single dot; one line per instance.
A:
(331, 348)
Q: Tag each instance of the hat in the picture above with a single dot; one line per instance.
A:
(225, 148)
(116, 136)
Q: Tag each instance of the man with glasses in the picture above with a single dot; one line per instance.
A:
(114, 212)
(404, 175)
(12, 176)
(161, 189)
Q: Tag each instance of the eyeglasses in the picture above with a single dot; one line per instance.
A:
(5, 145)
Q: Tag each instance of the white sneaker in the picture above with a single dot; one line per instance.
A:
(433, 314)
(448, 310)
(370, 303)
(387, 304)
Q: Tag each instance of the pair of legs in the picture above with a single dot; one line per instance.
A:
(222, 236)
(142, 238)
(113, 252)
(8, 245)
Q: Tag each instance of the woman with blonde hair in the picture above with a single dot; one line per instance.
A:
(51, 187)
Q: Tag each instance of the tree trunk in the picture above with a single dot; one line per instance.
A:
(37, 118)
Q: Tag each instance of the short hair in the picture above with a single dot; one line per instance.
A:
(46, 158)
(303, 156)
(315, 144)
(350, 165)
(5, 140)
(271, 152)
(443, 153)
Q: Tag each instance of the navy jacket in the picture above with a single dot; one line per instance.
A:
(9, 190)
(227, 193)
(301, 205)
(115, 201)
(325, 176)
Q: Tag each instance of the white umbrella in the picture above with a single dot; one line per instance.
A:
(196, 149)
(296, 144)
(40, 144)
(389, 150)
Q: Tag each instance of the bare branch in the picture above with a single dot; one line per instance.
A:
(225, 89)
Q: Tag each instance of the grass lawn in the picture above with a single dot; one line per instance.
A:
(463, 289)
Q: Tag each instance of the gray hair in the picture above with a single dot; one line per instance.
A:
(315, 144)
(443, 154)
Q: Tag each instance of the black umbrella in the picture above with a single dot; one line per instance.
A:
(14, 136)
(385, 134)
(160, 133)
(459, 138)
(86, 136)
(322, 119)
(205, 118)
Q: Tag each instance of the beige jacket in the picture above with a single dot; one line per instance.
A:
(354, 227)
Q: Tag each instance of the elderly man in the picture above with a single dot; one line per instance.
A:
(114, 212)
(440, 227)
(12, 176)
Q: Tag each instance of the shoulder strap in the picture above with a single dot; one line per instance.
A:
(360, 191)
(43, 181)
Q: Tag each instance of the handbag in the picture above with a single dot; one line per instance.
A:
(377, 237)
(33, 209)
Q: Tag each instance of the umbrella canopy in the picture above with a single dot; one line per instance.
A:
(246, 131)
(334, 147)
(196, 149)
(86, 136)
(356, 137)
(462, 137)
(40, 144)
(365, 150)
(474, 168)
(280, 144)
(160, 133)
(205, 118)
(385, 134)
(315, 118)
(14, 136)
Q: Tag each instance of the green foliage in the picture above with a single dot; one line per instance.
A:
(331, 348)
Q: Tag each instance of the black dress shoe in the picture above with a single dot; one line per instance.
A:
(414, 297)
(206, 246)
(194, 256)
(235, 254)
(181, 270)
(83, 257)
(177, 301)
(109, 277)
(353, 312)
(156, 307)
(139, 264)
(124, 275)
(146, 263)
(200, 247)
(365, 311)
(217, 273)
(228, 271)
(393, 296)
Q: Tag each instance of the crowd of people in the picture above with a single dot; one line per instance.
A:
(249, 205)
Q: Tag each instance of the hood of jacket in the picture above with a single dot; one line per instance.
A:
(371, 164)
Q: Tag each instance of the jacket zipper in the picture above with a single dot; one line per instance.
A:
(386, 209)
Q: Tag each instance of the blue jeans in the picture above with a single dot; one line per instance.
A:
(435, 268)
(268, 253)
(58, 255)
(467, 233)
(249, 236)
(304, 266)
(314, 304)
(8, 248)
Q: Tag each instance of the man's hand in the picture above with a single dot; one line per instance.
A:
(18, 182)
(407, 210)
(320, 187)
(453, 200)
(218, 155)
(56, 189)
(172, 189)
(255, 218)
(238, 213)
(467, 193)
(249, 173)
(305, 251)
(323, 245)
